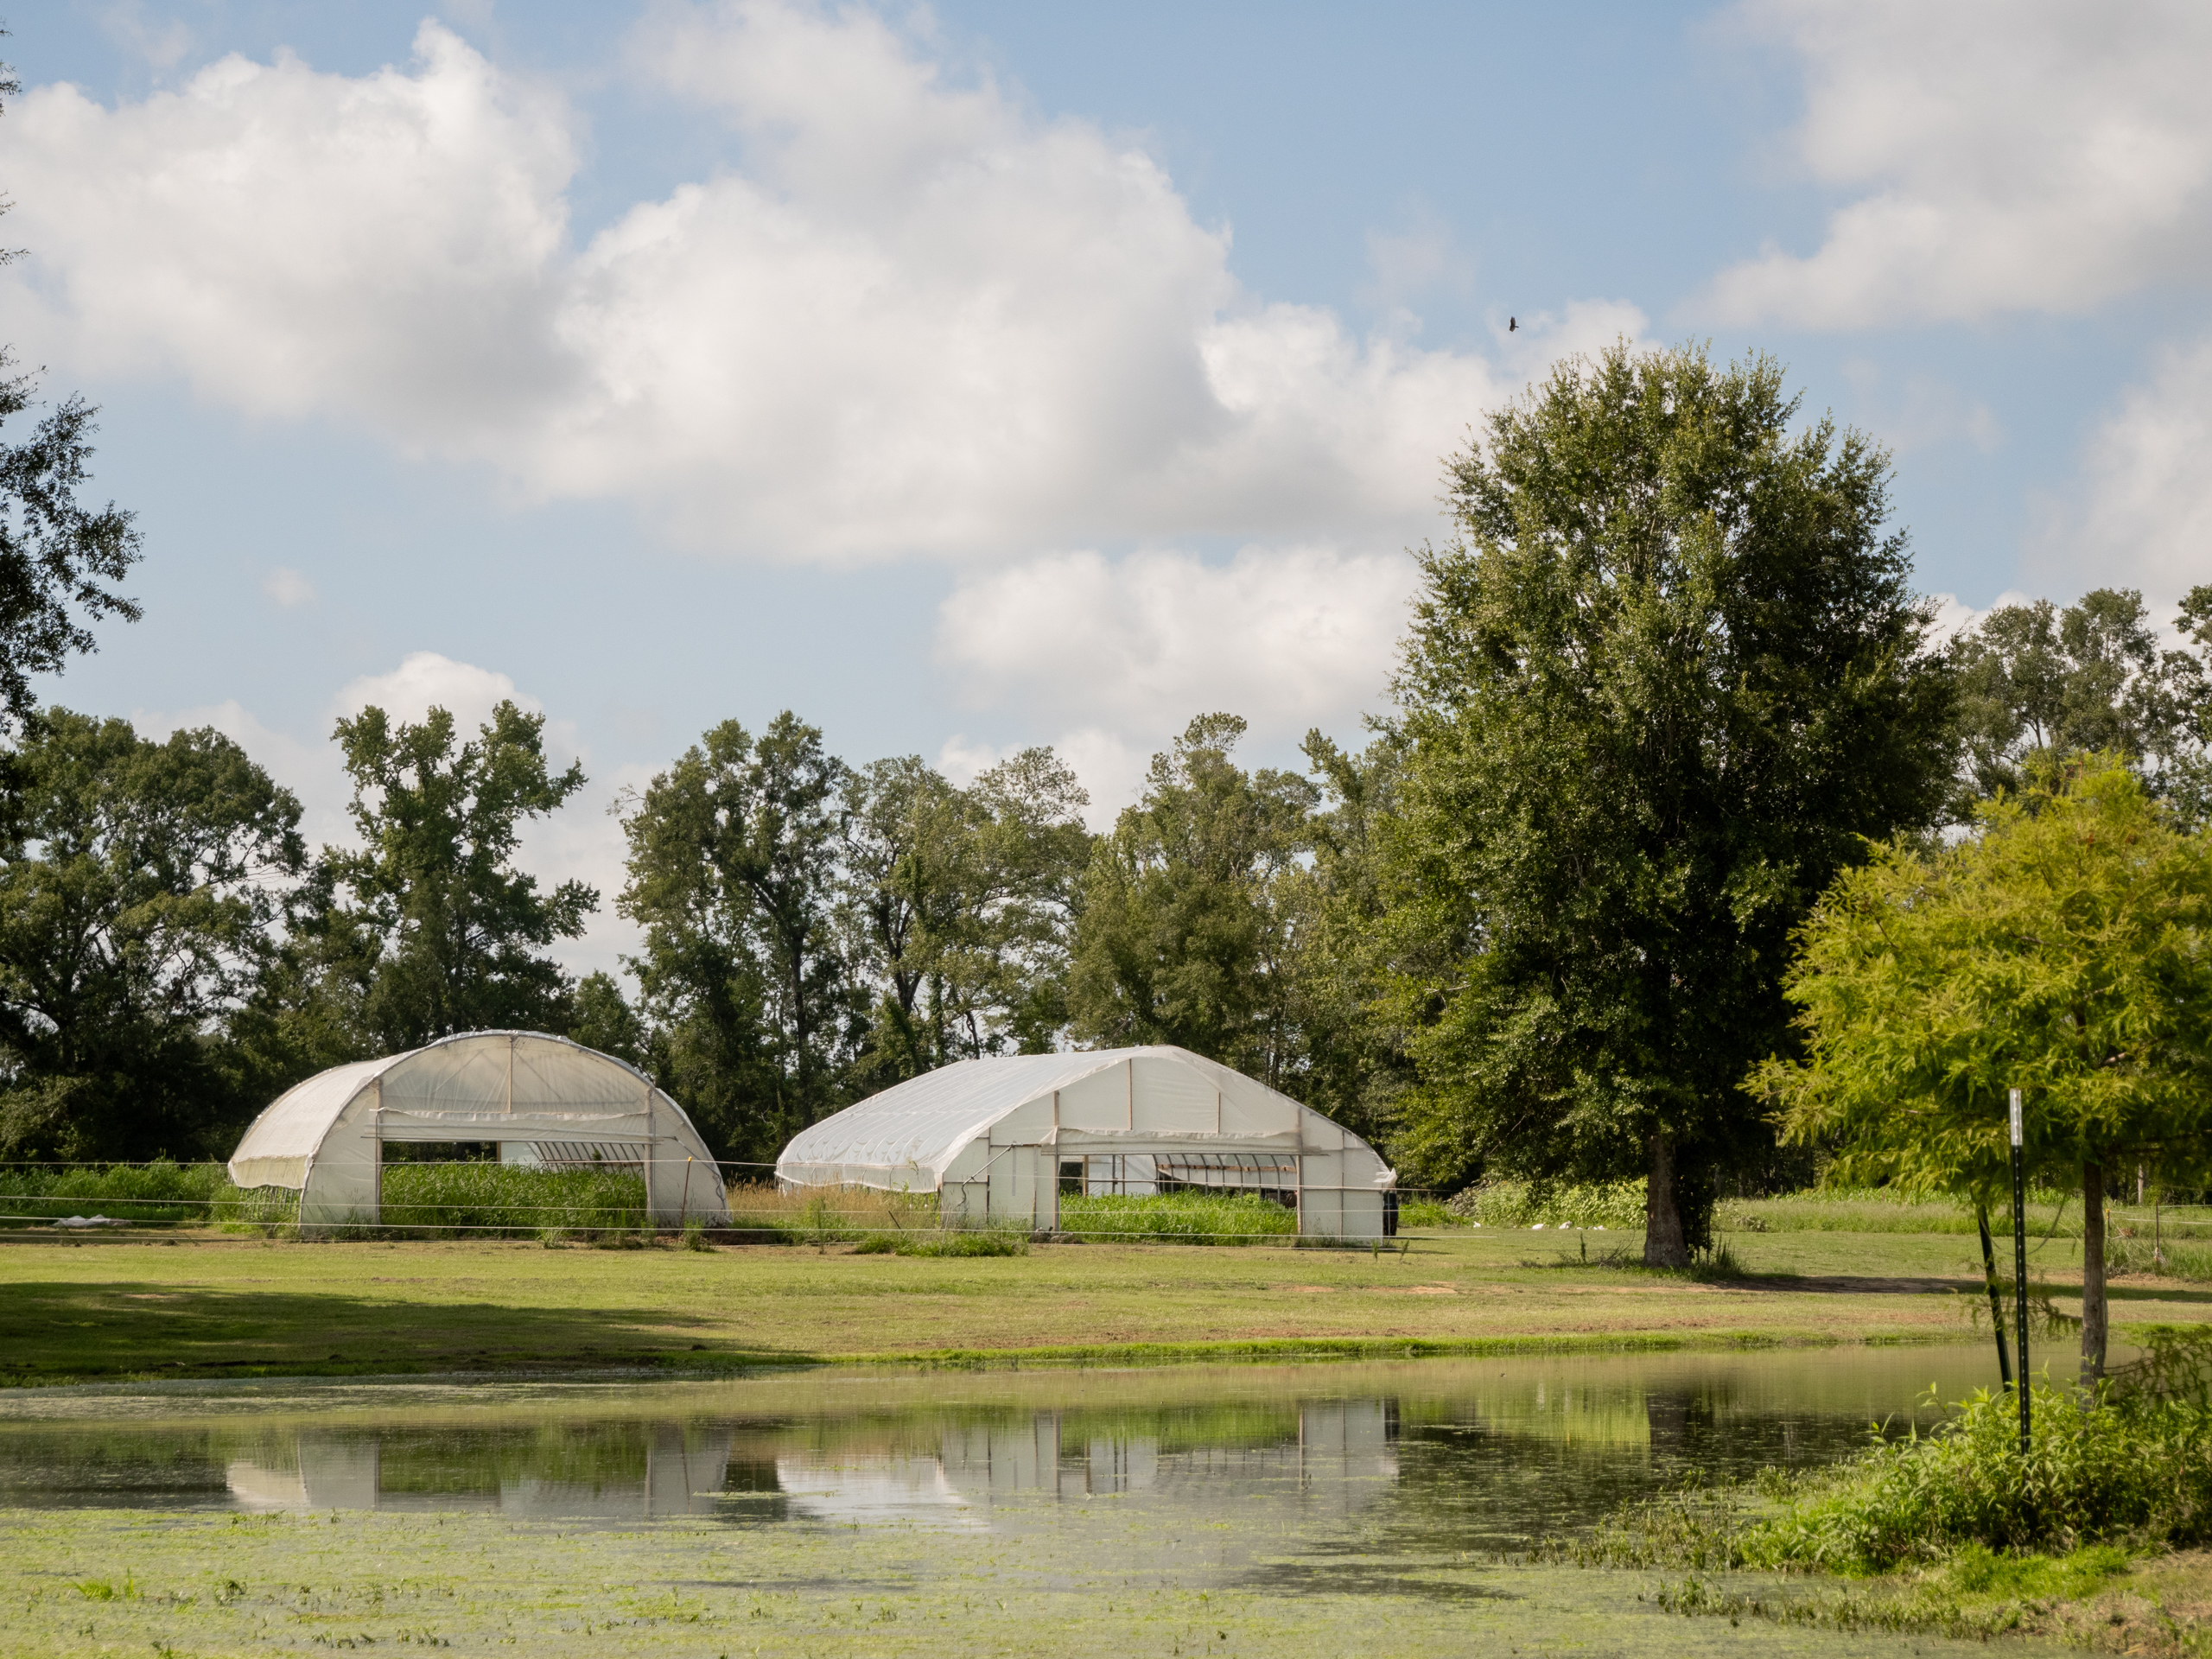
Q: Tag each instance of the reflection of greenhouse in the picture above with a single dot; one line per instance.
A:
(652, 1471)
(1335, 1456)
(1323, 1458)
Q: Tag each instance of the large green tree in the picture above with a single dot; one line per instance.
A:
(733, 876)
(429, 918)
(2065, 950)
(1667, 676)
(1355, 1065)
(59, 558)
(1187, 933)
(958, 903)
(139, 887)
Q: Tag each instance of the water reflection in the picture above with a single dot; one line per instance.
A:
(1430, 1455)
(630, 1472)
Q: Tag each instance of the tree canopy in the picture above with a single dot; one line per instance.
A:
(1669, 672)
(447, 934)
(2040, 684)
(958, 905)
(2064, 950)
(139, 885)
(1184, 935)
(732, 875)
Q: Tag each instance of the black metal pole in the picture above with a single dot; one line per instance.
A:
(2020, 1264)
(1996, 1302)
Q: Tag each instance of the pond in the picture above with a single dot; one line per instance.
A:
(1396, 1488)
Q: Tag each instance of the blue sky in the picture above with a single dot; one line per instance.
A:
(998, 374)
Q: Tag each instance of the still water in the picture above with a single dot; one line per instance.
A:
(1424, 1459)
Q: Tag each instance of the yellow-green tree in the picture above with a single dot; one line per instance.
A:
(2064, 950)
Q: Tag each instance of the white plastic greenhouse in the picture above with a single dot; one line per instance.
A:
(1000, 1139)
(543, 1100)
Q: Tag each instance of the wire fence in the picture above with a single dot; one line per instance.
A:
(605, 1201)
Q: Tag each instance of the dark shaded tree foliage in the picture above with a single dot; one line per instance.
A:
(1667, 677)
(139, 884)
(958, 906)
(1355, 1063)
(1188, 929)
(732, 872)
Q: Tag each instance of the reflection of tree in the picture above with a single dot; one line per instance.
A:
(1475, 1479)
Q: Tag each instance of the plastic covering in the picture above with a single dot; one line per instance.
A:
(531, 1093)
(996, 1138)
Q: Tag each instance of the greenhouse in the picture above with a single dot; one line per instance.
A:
(541, 1100)
(1000, 1140)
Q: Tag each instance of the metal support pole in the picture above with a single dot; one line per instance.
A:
(1996, 1302)
(2020, 1265)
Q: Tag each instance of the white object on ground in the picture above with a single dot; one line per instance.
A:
(90, 1221)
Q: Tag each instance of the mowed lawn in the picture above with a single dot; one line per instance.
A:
(208, 1304)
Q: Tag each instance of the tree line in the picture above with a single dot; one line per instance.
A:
(1666, 683)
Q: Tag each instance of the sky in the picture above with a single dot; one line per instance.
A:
(977, 375)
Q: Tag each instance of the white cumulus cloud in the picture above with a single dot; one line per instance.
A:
(918, 318)
(291, 243)
(1999, 156)
(425, 680)
(1287, 638)
(2145, 517)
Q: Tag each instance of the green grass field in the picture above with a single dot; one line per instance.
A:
(202, 1304)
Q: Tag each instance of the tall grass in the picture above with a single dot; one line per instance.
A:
(159, 1192)
(1187, 1217)
(764, 1213)
(1610, 1205)
(488, 1200)
(2165, 1258)
(985, 1238)
(1619, 1206)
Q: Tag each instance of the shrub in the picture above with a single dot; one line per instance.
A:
(1428, 1212)
(1187, 1217)
(2097, 1469)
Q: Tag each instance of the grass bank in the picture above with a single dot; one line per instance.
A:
(202, 1304)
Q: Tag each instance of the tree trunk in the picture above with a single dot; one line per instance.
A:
(2094, 1312)
(1663, 1221)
